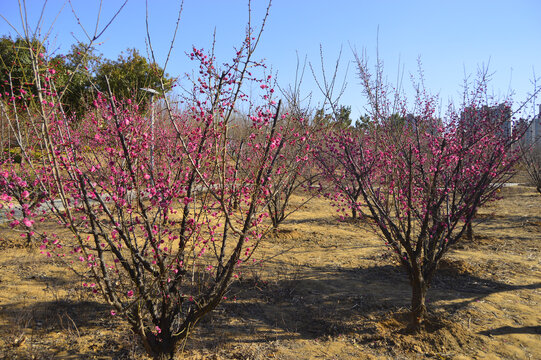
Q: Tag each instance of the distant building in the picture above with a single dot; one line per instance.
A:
(472, 119)
(533, 132)
(523, 125)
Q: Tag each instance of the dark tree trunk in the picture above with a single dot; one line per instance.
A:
(166, 351)
(469, 228)
(164, 356)
(161, 346)
(418, 306)
(469, 231)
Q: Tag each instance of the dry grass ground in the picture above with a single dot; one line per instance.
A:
(321, 289)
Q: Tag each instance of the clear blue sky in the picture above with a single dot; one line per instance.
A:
(452, 38)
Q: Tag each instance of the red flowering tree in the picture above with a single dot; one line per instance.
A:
(22, 160)
(345, 186)
(421, 181)
(162, 213)
(293, 169)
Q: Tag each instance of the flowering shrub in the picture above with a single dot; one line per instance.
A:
(420, 179)
(162, 214)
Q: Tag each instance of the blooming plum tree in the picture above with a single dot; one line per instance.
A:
(420, 182)
(293, 170)
(160, 240)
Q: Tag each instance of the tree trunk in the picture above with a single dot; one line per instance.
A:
(469, 228)
(165, 350)
(164, 356)
(418, 306)
(160, 346)
(469, 232)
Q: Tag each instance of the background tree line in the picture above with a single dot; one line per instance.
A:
(83, 68)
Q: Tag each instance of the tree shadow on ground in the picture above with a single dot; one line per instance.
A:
(46, 315)
(85, 321)
(314, 303)
(328, 302)
(504, 330)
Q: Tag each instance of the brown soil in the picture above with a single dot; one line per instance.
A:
(321, 289)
